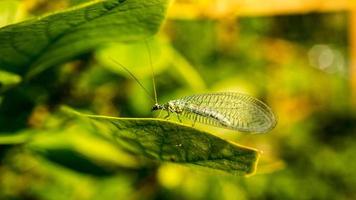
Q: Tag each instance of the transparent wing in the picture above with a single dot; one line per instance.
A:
(229, 110)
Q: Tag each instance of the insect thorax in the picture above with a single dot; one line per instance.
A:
(174, 106)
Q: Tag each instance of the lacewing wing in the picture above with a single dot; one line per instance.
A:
(229, 110)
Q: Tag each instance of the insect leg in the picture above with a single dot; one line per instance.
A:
(178, 117)
(167, 116)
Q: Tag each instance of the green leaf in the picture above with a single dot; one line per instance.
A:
(131, 143)
(8, 79)
(74, 146)
(167, 141)
(15, 138)
(32, 46)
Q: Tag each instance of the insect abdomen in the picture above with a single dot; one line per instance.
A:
(206, 116)
(199, 114)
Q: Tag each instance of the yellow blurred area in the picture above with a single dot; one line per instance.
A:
(217, 9)
(10, 12)
(172, 176)
(43, 5)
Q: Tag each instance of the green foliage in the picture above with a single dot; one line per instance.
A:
(32, 46)
(145, 140)
(8, 79)
(48, 154)
(166, 141)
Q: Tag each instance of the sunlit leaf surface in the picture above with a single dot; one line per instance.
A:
(166, 141)
(8, 79)
(35, 45)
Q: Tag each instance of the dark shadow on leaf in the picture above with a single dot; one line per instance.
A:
(77, 162)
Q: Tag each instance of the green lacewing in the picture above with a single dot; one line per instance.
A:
(230, 110)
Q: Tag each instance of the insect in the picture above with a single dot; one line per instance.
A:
(230, 110)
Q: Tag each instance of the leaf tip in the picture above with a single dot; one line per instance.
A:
(253, 168)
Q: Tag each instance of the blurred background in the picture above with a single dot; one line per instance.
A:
(297, 56)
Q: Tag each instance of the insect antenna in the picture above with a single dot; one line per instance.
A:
(134, 77)
(153, 74)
